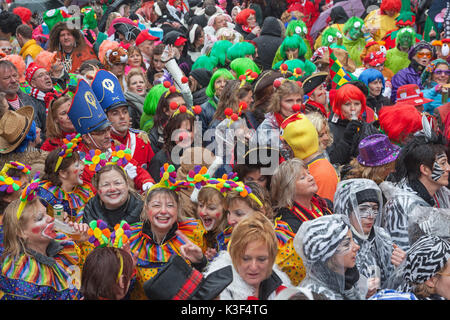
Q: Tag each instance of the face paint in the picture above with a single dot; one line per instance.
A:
(344, 246)
(438, 172)
(354, 33)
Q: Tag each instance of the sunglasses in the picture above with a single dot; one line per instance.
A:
(440, 71)
(424, 54)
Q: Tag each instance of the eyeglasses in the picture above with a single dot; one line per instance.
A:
(440, 71)
(424, 54)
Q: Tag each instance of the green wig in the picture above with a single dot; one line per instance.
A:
(150, 104)
(210, 91)
(406, 34)
(353, 23)
(240, 50)
(205, 62)
(296, 27)
(241, 65)
(293, 42)
(219, 50)
(331, 35)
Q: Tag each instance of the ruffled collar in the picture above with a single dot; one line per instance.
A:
(55, 270)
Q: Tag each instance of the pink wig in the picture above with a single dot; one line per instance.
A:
(18, 61)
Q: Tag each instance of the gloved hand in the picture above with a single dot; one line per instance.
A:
(131, 170)
(352, 128)
(146, 186)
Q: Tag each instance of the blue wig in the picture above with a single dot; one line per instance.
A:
(31, 136)
(369, 75)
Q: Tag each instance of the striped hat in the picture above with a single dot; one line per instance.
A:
(425, 258)
(317, 240)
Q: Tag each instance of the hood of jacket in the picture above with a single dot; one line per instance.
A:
(271, 27)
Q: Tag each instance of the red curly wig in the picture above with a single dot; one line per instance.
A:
(387, 5)
(242, 16)
(345, 93)
(400, 121)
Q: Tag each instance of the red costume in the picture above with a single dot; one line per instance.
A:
(142, 175)
(139, 144)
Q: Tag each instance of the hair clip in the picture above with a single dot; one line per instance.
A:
(70, 145)
(28, 194)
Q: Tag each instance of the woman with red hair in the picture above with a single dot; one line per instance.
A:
(350, 122)
(246, 24)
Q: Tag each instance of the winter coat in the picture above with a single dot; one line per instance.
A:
(156, 139)
(431, 93)
(405, 76)
(238, 289)
(343, 149)
(322, 280)
(268, 42)
(207, 114)
(130, 211)
(402, 198)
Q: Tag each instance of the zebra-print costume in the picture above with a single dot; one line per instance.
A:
(401, 201)
(427, 256)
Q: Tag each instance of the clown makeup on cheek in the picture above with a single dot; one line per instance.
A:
(439, 167)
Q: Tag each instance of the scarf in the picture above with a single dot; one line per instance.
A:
(39, 95)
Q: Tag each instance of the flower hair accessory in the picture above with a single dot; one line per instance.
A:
(198, 177)
(169, 180)
(28, 194)
(10, 184)
(121, 155)
(71, 142)
(101, 236)
(196, 110)
(229, 114)
(95, 160)
(26, 169)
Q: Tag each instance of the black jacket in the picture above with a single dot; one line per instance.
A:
(268, 42)
(376, 103)
(130, 211)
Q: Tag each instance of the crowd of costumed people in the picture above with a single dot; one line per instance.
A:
(225, 150)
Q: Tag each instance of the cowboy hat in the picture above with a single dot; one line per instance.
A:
(14, 127)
